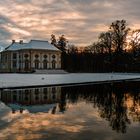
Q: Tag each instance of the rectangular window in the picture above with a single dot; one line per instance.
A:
(2, 58)
(36, 91)
(14, 64)
(45, 90)
(14, 56)
(6, 57)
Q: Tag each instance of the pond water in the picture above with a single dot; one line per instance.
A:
(93, 112)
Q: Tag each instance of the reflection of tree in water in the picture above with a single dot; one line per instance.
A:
(114, 110)
(118, 104)
(110, 100)
(62, 103)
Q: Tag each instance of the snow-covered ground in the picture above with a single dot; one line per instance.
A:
(25, 80)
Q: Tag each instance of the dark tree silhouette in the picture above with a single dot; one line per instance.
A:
(53, 40)
(119, 32)
(62, 43)
(72, 49)
(108, 54)
(135, 42)
(106, 40)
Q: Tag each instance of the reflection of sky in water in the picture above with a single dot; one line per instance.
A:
(39, 125)
(81, 120)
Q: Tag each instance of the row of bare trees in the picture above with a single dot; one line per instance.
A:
(118, 38)
(118, 49)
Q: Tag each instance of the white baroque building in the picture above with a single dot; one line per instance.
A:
(27, 57)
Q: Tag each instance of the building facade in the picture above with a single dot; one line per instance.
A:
(27, 57)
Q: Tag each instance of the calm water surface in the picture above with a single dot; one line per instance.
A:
(95, 112)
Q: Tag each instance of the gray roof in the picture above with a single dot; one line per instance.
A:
(33, 44)
(1, 48)
(15, 46)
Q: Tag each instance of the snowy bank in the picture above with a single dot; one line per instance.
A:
(32, 80)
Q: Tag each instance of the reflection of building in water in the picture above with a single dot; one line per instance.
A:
(31, 96)
(37, 98)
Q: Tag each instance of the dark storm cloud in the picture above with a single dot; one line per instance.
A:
(80, 20)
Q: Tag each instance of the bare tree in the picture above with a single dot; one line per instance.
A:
(62, 43)
(106, 40)
(96, 47)
(135, 41)
(72, 49)
(53, 40)
(119, 32)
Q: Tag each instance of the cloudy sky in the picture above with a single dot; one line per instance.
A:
(80, 20)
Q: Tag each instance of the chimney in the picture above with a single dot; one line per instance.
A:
(21, 42)
(13, 41)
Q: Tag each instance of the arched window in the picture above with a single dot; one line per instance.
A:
(45, 64)
(36, 64)
(53, 64)
(26, 64)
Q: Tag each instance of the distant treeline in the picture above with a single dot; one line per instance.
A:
(89, 62)
(117, 50)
